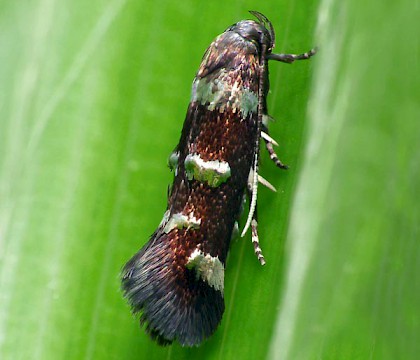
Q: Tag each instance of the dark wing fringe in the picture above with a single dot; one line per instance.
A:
(174, 305)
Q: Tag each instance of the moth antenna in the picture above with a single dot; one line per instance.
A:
(253, 204)
(264, 21)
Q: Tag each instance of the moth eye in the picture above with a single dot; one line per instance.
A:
(254, 36)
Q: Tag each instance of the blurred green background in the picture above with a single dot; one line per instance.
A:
(92, 100)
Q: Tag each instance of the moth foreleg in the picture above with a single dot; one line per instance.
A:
(256, 240)
(290, 58)
(254, 227)
(269, 146)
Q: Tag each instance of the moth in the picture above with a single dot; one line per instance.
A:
(176, 281)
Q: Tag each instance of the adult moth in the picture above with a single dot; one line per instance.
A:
(176, 280)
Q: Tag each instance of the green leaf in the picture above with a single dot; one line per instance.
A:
(351, 289)
(93, 99)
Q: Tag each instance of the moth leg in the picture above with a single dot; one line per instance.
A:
(290, 58)
(269, 146)
(266, 183)
(254, 226)
(274, 157)
(256, 240)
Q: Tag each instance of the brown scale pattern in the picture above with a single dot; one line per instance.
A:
(224, 137)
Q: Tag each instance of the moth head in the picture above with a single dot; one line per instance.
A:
(259, 32)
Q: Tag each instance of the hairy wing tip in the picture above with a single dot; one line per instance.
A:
(173, 306)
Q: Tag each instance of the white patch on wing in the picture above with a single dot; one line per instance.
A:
(208, 268)
(214, 172)
(180, 220)
(220, 94)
